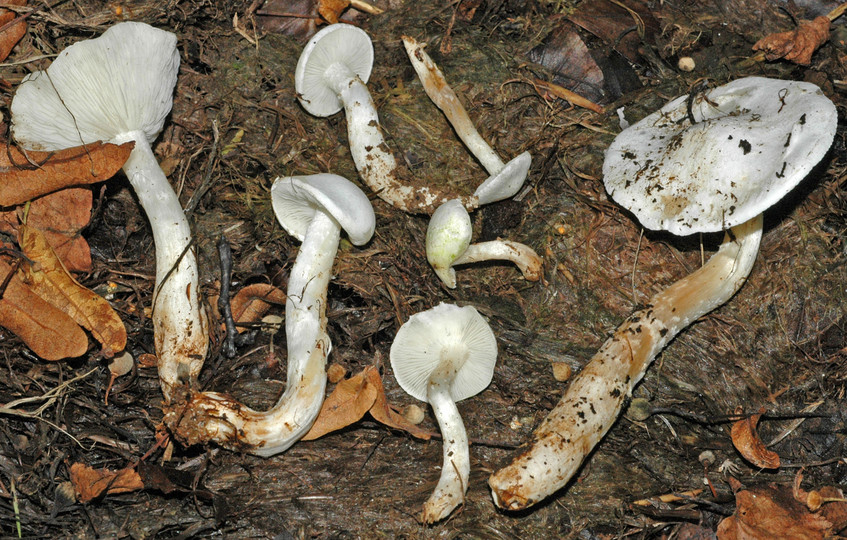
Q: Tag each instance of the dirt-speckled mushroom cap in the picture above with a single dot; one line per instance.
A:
(296, 198)
(99, 89)
(336, 47)
(420, 343)
(751, 142)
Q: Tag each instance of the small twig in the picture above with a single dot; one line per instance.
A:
(225, 254)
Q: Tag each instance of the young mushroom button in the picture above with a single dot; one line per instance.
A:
(118, 88)
(314, 209)
(331, 74)
(702, 163)
(448, 243)
(441, 356)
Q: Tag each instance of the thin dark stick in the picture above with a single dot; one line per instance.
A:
(225, 254)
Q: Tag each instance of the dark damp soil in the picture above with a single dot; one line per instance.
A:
(779, 344)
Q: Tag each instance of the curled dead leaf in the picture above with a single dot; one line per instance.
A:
(746, 440)
(253, 301)
(796, 45)
(30, 174)
(12, 28)
(90, 483)
(48, 278)
(46, 330)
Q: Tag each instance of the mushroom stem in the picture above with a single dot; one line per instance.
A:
(505, 178)
(595, 397)
(526, 259)
(445, 98)
(180, 325)
(455, 468)
(216, 417)
(371, 154)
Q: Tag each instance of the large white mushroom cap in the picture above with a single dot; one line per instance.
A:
(296, 199)
(724, 168)
(99, 89)
(424, 339)
(337, 50)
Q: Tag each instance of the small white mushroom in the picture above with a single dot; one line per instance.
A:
(330, 75)
(702, 163)
(314, 209)
(441, 356)
(118, 88)
(448, 243)
(505, 178)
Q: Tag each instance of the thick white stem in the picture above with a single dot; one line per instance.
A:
(594, 398)
(371, 154)
(455, 468)
(219, 418)
(180, 325)
(526, 259)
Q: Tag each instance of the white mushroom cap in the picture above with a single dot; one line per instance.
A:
(296, 198)
(725, 168)
(505, 183)
(423, 340)
(99, 89)
(336, 47)
(447, 238)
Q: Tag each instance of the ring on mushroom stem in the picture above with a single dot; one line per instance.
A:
(314, 209)
(751, 141)
(441, 356)
(118, 88)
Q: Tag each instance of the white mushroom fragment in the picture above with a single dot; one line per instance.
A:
(118, 88)
(702, 163)
(313, 209)
(441, 356)
(505, 178)
(330, 75)
(448, 243)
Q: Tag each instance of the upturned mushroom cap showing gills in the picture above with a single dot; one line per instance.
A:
(441, 356)
(118, 88)
(742, 147)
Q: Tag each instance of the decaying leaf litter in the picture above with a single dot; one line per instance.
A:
(236, 125)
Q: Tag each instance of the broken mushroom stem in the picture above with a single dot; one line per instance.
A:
(507, 177)
(596, 395)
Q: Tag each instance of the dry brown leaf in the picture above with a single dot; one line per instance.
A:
(12, 28)
(26, 176)
(748, 443)
(772, 512)
(48, 278)
(90, 483)
(346, 405)
(331, 10)
(352, 398)
(253, 301)
(796, 45)
(385, 414)
(61, 216)
(46, 330)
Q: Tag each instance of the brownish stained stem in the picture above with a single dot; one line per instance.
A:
(595, 396)
(526, 259)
